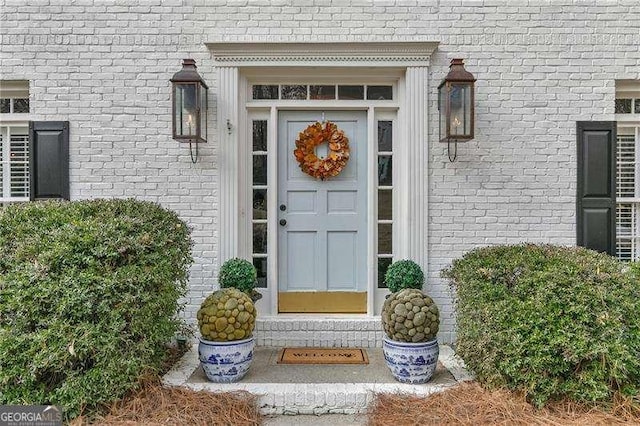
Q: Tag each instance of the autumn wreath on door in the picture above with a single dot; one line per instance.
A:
(337, 156)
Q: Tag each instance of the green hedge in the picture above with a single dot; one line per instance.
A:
(551, 321)
(88, 298)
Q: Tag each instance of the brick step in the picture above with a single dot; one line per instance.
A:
(322, 331)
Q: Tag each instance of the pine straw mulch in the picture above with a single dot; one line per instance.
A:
(154, 404)
(470, 404)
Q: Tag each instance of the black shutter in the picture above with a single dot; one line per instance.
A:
(49, 159)
(596, 198)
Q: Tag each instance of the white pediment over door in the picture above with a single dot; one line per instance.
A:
(344, 54)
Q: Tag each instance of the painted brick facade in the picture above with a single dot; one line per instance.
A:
(104, 65)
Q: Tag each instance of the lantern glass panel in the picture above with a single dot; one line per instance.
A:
(185, 109)
(203, 112)
(460, 110)
(442, 107)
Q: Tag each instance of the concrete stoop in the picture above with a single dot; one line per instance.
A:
(316, 389)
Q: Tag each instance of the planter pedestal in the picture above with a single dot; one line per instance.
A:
(411, 362)
(225, 362)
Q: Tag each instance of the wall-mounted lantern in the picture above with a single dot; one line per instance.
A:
(190, 105)
(456, 106)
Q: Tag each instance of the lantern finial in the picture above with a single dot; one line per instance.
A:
(458, 73)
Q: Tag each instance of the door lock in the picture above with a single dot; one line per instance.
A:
(283, 207)
(283, 222)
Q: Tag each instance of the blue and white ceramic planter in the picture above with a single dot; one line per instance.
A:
(225, 362)
(411, 362)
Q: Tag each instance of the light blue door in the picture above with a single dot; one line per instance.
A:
(322, 238)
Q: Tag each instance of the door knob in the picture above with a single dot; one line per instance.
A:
(283, 222)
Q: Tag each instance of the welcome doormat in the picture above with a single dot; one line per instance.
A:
(322, 356)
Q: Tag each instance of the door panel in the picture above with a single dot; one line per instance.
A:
(301, 267)
(342, 260)
(322, 244)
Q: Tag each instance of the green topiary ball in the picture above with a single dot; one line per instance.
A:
(226, 315)
(404, 274)
(410, 316)
(238, 273)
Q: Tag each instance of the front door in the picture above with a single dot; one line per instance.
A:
(322, 241)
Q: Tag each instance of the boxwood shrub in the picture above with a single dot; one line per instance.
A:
(89, 294)
(550, 321)
(404, 274)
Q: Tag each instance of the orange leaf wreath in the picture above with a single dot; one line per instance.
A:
(337, 157)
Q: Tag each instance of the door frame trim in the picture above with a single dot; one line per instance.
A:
(232, 134)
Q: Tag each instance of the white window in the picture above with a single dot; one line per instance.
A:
(385, 197)
(628, 193)
(14, 141)
(14, 163)
(259, 199)
(14, 97)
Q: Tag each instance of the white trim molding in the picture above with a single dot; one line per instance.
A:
(228, 112)
(403, 64)
(349, 54)
(417, 159)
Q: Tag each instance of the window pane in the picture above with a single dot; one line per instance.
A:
(385, 245)
(265, 91)
(385, 170)
(259, 169)
(350, 92)
(322, 92)
(19, 165)
(626, 170)
(294, 92)
(385, 204)
(259, 203)
(623, 106)
(259, 237)
(385, 135)
(5, 106)
(21, 106)
(383, 265)
(624, 219)
(260, 264)
(624, 250)
(379, 93)
(636, 107)
(259, 135)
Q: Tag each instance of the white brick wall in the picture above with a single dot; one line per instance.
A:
(104, 65)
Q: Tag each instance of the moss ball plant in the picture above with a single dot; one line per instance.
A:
(404, 274)
(553, 322)
(410, 316)
(226, 315)
(238, 273)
